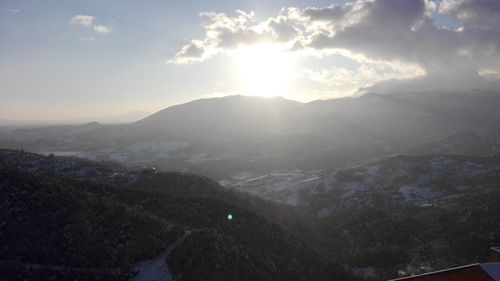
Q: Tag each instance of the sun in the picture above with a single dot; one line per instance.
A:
(264, 69)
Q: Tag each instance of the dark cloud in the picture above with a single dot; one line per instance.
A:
(480, 13)
(282, 29)
(392, 30)
(334, 12)
(405, 31)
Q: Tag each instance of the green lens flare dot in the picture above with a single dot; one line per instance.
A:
(230, 217)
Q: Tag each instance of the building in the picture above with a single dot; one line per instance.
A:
(472, 272)
(495, 254)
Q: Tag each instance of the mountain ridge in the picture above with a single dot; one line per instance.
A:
(241, 133)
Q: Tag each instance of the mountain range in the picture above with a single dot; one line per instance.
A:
(224, 136)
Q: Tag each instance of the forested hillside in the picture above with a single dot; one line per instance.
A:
(54, 226)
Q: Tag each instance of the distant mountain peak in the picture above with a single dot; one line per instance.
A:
(93, 123)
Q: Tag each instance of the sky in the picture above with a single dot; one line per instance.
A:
(83, 60)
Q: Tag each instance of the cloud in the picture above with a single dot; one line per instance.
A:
(88, 21)
(189, 53)
(12, 11)
(430, 83)
(482, 13)
(223, 33)
(90, 38)
(389, 32)
(101, 29)
(84, 20)
(362, 75)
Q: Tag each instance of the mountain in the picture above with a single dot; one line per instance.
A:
(57, 131)
(7, 123)
(221, 137)
(219, 118)
(463, 143)
(67, 218)
(126, 117)
(403, 213)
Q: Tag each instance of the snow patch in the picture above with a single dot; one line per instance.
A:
(372, 170)
(410, 192)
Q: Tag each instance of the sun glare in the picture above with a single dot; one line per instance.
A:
(265, 69)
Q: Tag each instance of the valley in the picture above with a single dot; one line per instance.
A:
(375, 202)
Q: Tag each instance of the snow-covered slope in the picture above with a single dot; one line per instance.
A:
(419, 180)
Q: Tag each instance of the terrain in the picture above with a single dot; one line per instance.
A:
(70, 218)
(371, 187)
(397, 215)
(403, 213)
(220, 137)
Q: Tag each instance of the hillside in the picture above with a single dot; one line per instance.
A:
(413, 214)
(57, 223)
(401, 213)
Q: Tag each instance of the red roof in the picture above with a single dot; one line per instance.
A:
(476, 272)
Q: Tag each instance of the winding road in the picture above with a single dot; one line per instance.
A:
(157, 269)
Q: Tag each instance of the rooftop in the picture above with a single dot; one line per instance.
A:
(491, 269)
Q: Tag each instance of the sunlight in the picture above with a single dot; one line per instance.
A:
(264, 69)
